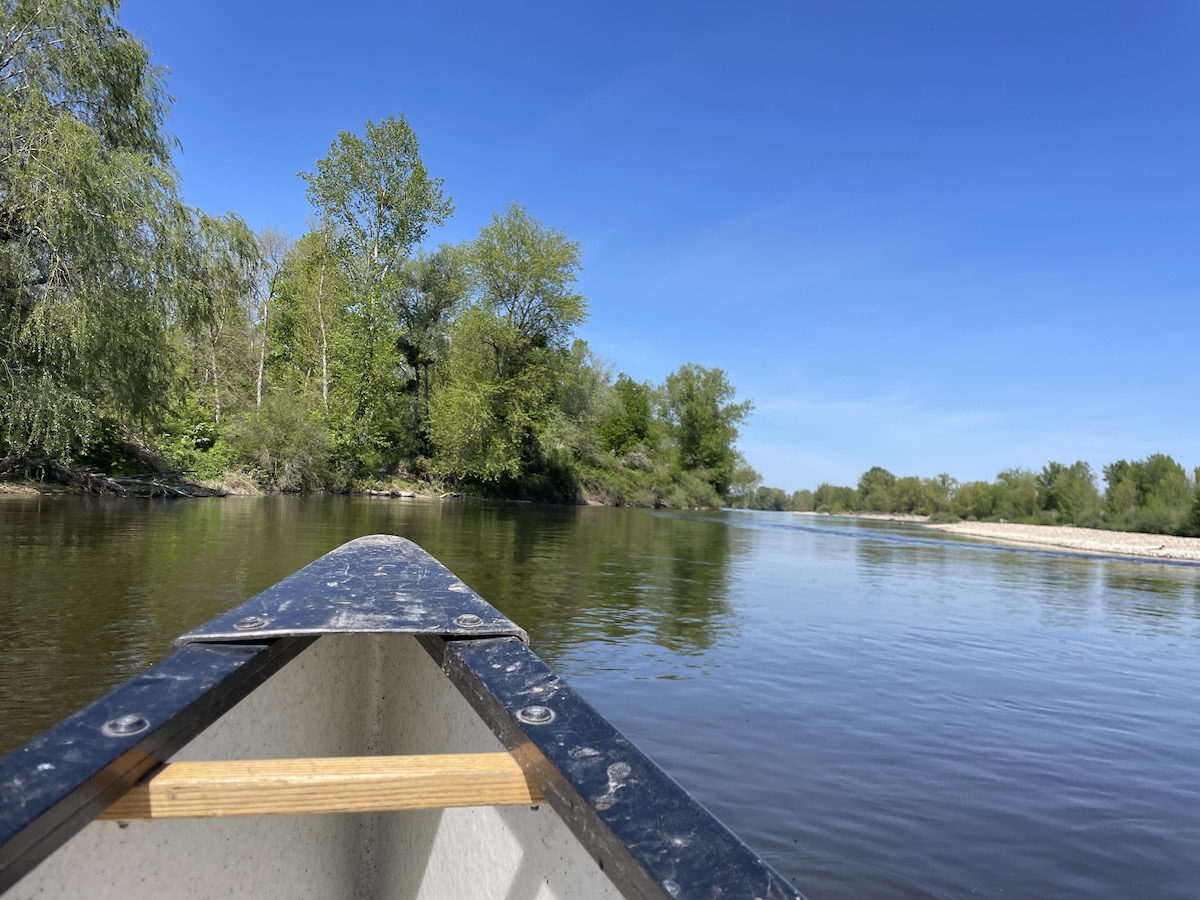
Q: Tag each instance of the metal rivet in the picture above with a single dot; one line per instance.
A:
(249, 622)
(123, 726)
(535, 715)
(468, 620)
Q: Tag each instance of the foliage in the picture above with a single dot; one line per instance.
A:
(524, 274)
(702, 418)
(379, 202)
(305, 364)
(628, 423)
(874, 488)
(285, 445)
(1069, 492)
(92, 231)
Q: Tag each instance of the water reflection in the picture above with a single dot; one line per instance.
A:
(1148, 601)
(94, 590)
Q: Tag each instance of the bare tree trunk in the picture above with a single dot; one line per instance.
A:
(324, 340)
(262, 358)
(216, 385)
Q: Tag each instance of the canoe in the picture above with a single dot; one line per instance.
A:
(368, 727)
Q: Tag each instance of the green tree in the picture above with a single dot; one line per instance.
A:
(874, 488)
(379, 200)
(524, 274)
(744, 485)
(974, 500)
(628, 424)
(1070, 493)
(1152, 495)
(1015, 495)
(835, 499)
(429, 289)
(703, 419)
(273, 249)
(484, 425)
(507, 352)
(312, 296)
(92, 231)
(908, 496)
(220, 282)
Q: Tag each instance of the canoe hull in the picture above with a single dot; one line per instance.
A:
(373, 650)
(346, 695)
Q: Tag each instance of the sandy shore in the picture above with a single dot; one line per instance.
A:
(1080, 540)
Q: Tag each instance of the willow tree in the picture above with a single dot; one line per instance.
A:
(91, 227)
(379, 199)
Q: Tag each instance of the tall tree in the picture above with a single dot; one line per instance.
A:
(92, 232)
(430, 287)
(628, 423)
(220, 283)
(525, 275)
(874, 489)
(489, 410)
(703, 418)
(273, 248)
(379, 199)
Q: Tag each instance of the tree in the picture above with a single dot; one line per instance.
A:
(1070, 492)
(744, 486)
(1015, 494)
(484, 426)
(628, 424)
(220, 283)
(380, 202)
(429, 289)
(1151, 495)
(524, 274)
(273, 248)
(874, 487)
(311, 295)
(703, 420)
(92, 231)
(974, 500)
(488, 412)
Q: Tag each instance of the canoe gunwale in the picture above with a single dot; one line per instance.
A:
(57, 783)
(649, 835)
(651, 838)
(380, 584)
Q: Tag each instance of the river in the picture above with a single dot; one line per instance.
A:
(879, 710)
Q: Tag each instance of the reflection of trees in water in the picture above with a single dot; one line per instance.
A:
(96, 589)
(1066, 591)
(575, 574)
(1151, 599)
(882, 561)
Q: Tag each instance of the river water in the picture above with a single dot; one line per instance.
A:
(878, 710)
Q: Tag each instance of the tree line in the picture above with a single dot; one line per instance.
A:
(1154, 495)
(137, 330)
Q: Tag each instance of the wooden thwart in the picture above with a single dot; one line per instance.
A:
(336, 784)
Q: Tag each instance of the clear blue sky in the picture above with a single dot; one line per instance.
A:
(932, 236)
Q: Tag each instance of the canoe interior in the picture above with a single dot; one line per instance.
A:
(345, 695)
(374, 649)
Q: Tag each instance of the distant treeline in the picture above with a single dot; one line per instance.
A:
(137, 331)
(1154, 495)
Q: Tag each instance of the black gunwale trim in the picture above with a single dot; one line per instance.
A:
(378, 584)
(653, 838)
(57, 783)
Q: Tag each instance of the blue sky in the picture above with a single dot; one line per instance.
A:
(932, 236)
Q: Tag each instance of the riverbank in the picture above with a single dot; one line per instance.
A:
(1079, 540)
